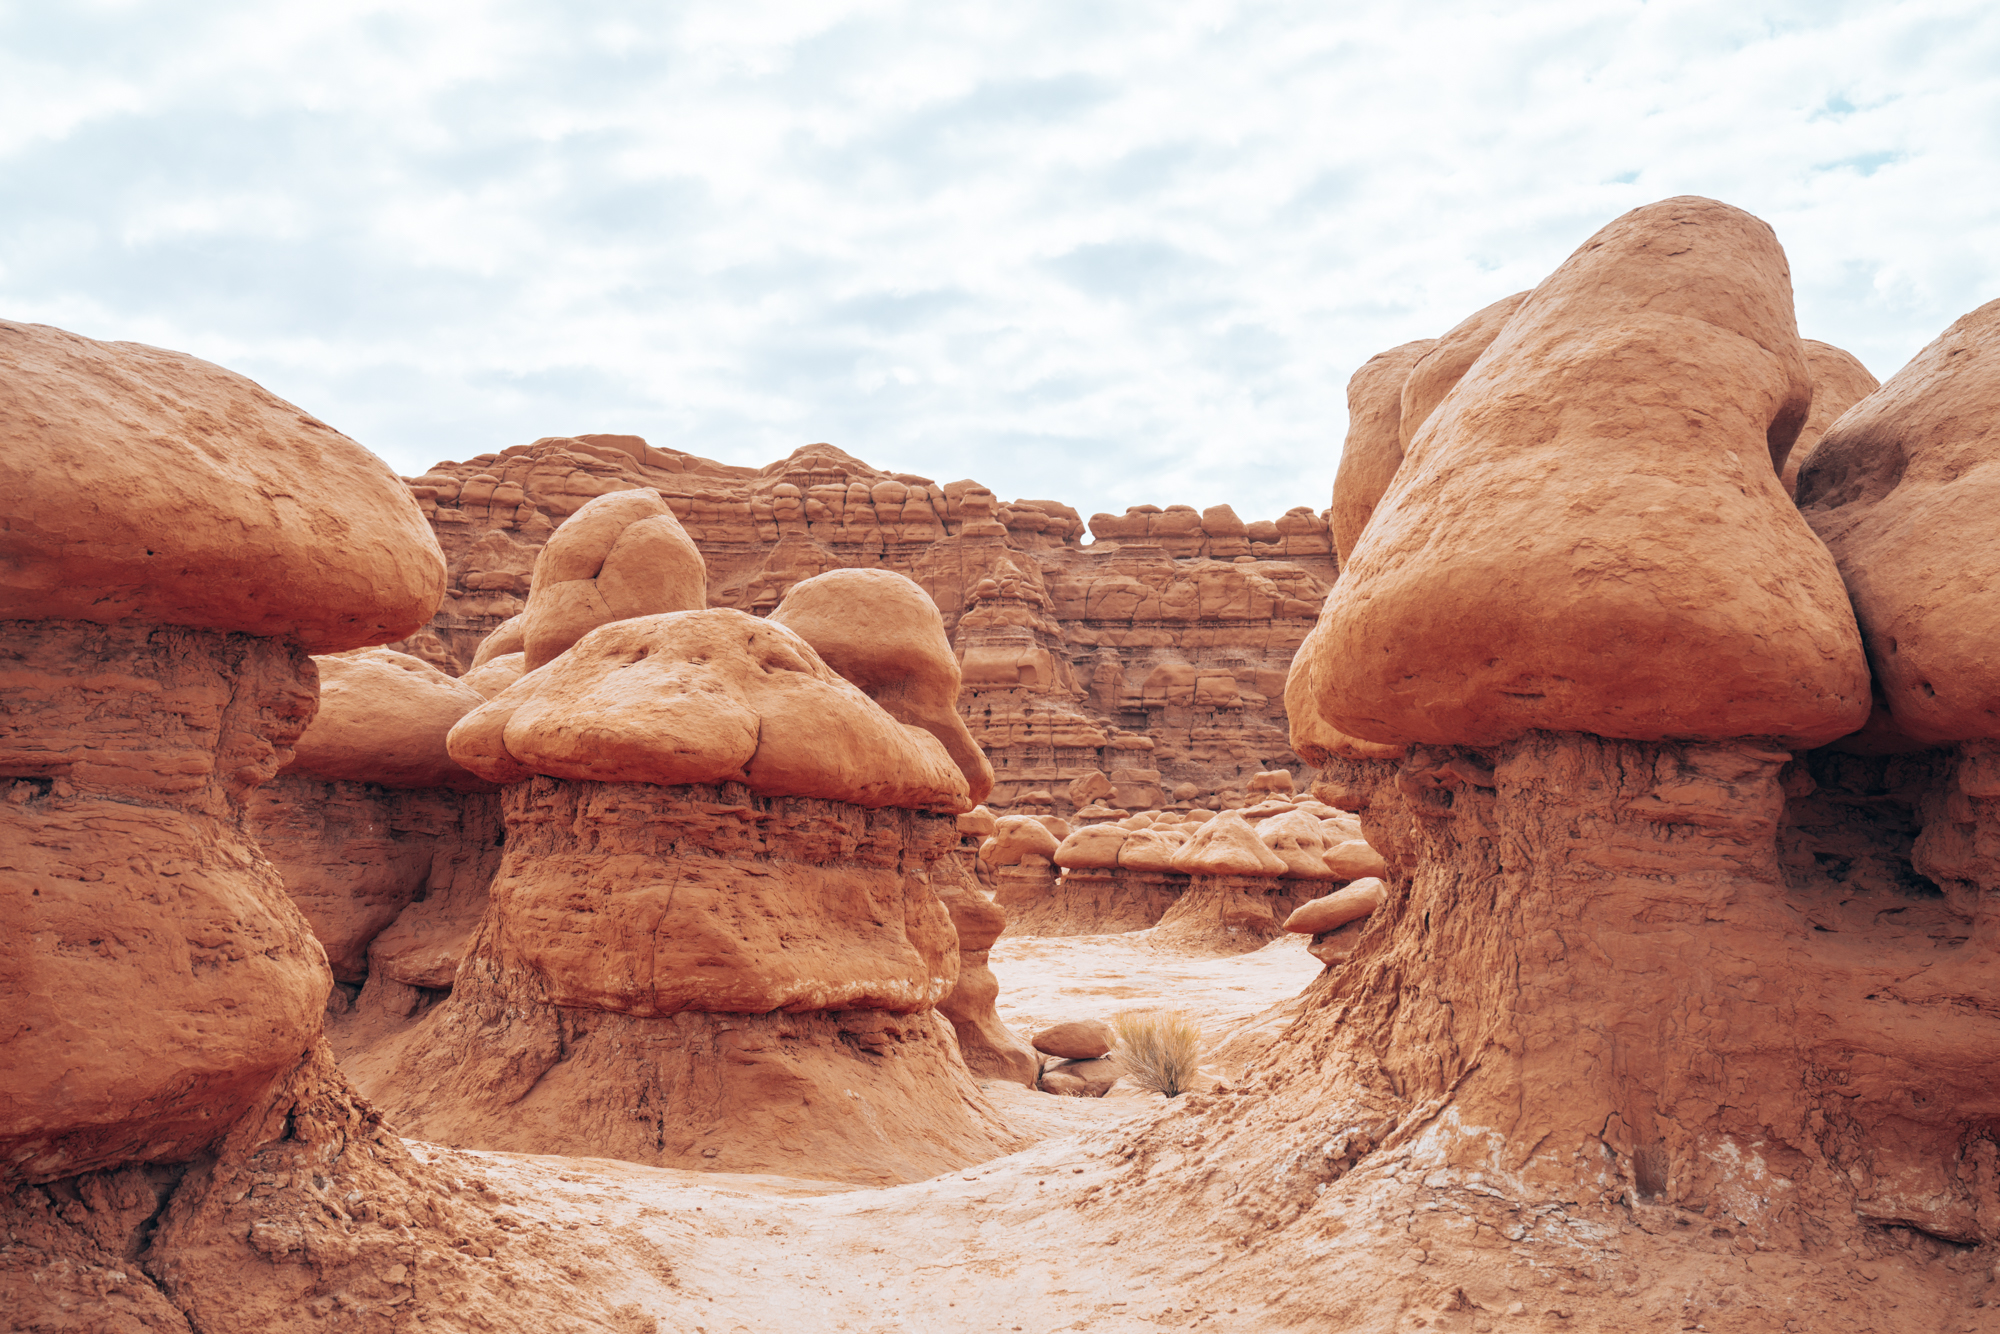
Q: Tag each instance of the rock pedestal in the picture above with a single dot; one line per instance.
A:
(697, 976)
(160, 980)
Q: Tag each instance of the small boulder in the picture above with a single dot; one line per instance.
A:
(1077, 1040)
(1332, 911)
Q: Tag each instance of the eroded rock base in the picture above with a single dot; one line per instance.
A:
(1099, 902)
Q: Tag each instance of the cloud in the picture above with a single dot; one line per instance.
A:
(1111, 254)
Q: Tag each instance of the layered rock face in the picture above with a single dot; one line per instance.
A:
(717, 936)
(374, 824)
(1635, 946)
(1154, 657)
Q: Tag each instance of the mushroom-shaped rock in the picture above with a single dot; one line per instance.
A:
(1077, 1040)
(1091, 847)
(978, 823)
(1447, 361)
(1084, 1079)
(1276, 782)
(1905, 490)
(1299, 842)
(1589, 535)
(1227, 845)
(383, 718)
(1373, 450)
(706, 697)
(1015, 838)
(881, 631)
(173, 541)
(1839, 382)
(148, 487)
(623, 555)
(1332, 911)
(1151, 849)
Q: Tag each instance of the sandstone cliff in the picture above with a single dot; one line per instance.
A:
(1154, 655)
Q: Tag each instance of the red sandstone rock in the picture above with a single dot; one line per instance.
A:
(383, 718)
(1077, 1040)
(621, 556)
(1354, 859)
(881, 631)
(1060, 644)
(1445, 363)
(1299, 841)
(1374, 449)
(147, 487)
(1904, 491)
(989, 1047)
(700, 697)
(762, 970)
(1332, 911)
(1227, 845)
(1084, 1079)
(1839, 382)
(1016, 837)
(1094, 845)
(1588, 533)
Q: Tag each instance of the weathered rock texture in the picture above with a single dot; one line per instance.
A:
(1906, 493)
(159, 980)
(177, 1149)
(1656, 978)
(373, 822)
(990, 1047)
(149, 487)
(1155, 656)
(1589, 533)
(699, 976)
(1839, 382)
(390, 878)
(704, 697)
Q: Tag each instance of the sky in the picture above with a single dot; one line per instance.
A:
(1110, 254)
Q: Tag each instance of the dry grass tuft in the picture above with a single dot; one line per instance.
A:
(1161, 1048)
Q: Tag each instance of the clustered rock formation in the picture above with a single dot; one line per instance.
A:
(177, 1149)
(1153, 658)
(385, 842)
(1653, 854)
(1651, 934)
(1208, 879)
(719, 934)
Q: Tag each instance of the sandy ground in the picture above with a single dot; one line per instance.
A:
(1048, 979)
(979, 1249)
(1108, 1222)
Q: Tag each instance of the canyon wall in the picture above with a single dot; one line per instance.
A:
(1155, 654)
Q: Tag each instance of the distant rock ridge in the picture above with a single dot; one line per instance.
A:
(1154, 656)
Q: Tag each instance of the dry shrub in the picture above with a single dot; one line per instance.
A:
(1161, 1048)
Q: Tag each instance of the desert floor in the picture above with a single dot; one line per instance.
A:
(978, 1249)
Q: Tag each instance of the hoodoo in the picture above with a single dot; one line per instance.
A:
(714, 939)
(177, 1149)
(1600, 699)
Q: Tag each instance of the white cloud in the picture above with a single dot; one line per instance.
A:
(1111, 254)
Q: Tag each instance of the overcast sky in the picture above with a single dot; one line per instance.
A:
(1107, 253)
